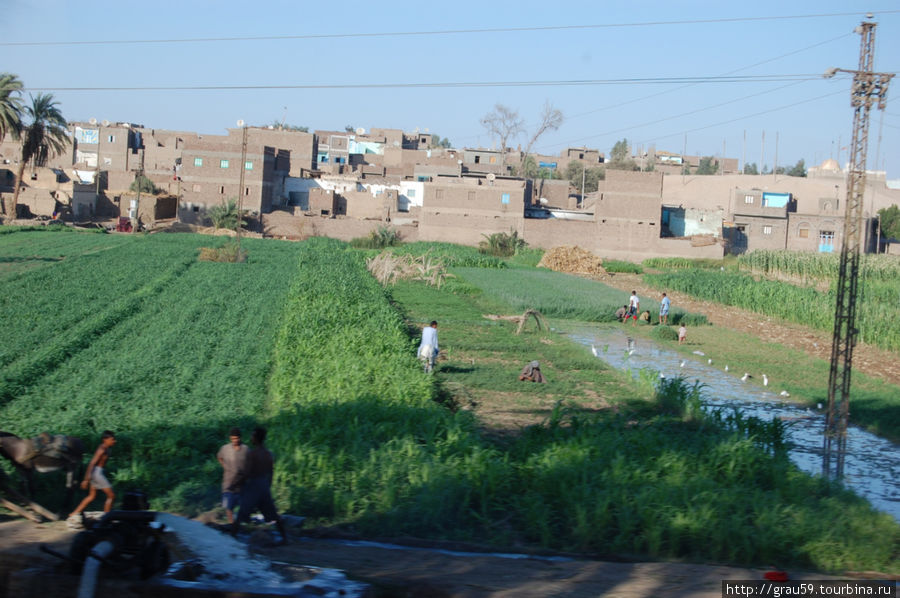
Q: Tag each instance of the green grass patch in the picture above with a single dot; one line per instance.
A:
(560, 295)
(620, 267)
(683, 263)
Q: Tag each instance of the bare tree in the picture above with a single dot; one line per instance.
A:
(504, 124)
(551, 120)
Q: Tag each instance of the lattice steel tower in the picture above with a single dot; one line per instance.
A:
(868, 88)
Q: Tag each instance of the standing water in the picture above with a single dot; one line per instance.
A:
(872, 464)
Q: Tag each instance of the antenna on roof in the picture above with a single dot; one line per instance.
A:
(92, 120)
(360, 130)
(105, 123)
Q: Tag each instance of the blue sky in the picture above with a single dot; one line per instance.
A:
(811, 118)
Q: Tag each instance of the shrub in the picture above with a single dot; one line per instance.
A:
(378, 238)
(225, 215)
(231, 251)
(502, 244)
(143, 184)
(664, 333)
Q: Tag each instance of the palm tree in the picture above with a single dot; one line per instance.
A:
(44, 137)
(10, 105)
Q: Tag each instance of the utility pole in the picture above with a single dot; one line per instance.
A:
(583, 168)
(868, 88)
(136, 221)
(243, 167)
(775, 165)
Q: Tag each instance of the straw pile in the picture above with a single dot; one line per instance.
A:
(573, 260)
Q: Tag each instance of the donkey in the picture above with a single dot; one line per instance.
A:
(43, 454)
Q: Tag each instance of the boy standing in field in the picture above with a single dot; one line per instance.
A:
(95, 478)
(682, 334)
(664, 310)
(233, 459)
(634, 305)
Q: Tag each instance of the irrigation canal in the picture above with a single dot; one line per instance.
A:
(872, 465)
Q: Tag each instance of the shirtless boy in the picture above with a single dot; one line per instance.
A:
(94, 477)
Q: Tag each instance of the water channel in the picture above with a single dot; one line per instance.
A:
(871, 466)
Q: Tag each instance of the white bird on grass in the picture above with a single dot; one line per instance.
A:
(682, 363)
(745, 377)
(662, 376)
(785, 393)
(594, 351)
(700, 353)
(709, 361)
(818, 405)
(765, 380)
(726, 367)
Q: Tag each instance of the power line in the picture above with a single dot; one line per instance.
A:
(667, 91)
(547, 83)
(319, 36)
(674, 116)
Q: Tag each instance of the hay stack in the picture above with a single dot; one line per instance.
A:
(573, 260)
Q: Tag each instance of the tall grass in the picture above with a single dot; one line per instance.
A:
(817, 266)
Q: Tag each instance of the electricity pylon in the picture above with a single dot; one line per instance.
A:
(868, 88)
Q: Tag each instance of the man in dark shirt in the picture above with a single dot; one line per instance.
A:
(256, 483)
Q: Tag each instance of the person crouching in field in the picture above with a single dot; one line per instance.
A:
(532, 373)
(620, 313)
(682, 335)
(95, 479)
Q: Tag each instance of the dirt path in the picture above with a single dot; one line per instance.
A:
(423, 572)
(866, 358)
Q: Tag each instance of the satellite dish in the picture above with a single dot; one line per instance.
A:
(360, 130)
(240, 122)
(92, 120)
(491, 177)
(105, 123)
(396, 143)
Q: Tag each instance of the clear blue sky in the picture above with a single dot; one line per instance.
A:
(810, 117)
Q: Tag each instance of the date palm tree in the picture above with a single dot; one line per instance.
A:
(44, 136)
(10, 104)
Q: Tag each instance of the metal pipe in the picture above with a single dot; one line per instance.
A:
(92, 568)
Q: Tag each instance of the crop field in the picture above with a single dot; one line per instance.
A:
(878, 315)
(179, 352)
(302, 339)
(818, 266)
(560, 295)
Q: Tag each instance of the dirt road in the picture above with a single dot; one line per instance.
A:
(415, 572)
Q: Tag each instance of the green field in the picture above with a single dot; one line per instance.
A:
(132, 333)
(878, 314)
